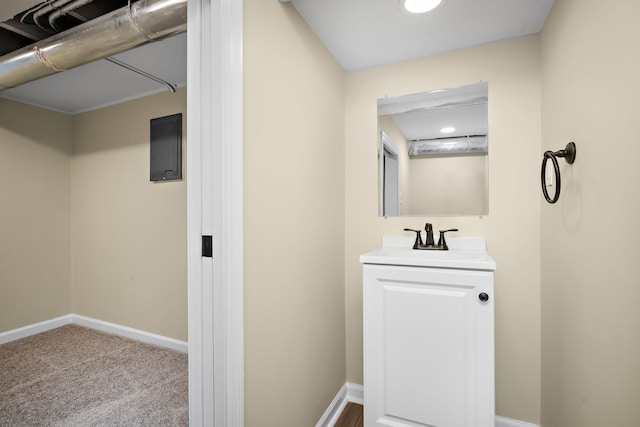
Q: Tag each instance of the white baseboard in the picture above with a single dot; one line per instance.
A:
(36, 328)
(355, 394)
(112, 328)
(508, 422)
(337, 405)
(136, 334)
(349, 393)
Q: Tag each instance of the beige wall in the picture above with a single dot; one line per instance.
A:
(590, 268)
(449, 184)
(294, 219)
(438, 184)
(129, 244)
(512, 225)
(35, 153)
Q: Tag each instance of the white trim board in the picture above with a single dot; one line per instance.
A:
(99, 325)
(508, 422)
(36, 328)
(354, 393)
(125, 331)
(337, 405)
(214, 206)
(348, 393)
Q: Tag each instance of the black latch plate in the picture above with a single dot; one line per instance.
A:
(207, 246)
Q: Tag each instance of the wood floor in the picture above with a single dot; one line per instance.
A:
(352, 416)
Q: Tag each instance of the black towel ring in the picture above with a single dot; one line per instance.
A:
(569, 154)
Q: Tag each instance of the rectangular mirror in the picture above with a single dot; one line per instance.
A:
(433, 153)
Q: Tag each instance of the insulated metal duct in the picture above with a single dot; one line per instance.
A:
(112, 33)
(473, 144)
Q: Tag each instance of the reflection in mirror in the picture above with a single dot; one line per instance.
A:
(433, 152)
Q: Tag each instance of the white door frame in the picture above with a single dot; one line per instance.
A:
(214, 200)
(386, 144)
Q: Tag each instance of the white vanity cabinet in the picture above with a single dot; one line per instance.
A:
(428, 336)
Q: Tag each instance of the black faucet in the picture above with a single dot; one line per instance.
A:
(429, 244)
(429, 230)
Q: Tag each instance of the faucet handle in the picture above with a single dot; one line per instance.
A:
(441, 241)
(418, 241)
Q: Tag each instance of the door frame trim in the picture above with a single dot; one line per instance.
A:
(388, 145)
(215, 207)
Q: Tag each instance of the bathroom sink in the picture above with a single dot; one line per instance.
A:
(464, 252)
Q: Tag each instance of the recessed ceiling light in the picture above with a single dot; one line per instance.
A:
(419, 6)
(448, 129)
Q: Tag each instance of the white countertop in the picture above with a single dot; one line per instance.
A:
(464, 253)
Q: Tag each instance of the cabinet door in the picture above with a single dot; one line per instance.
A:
(428, 347)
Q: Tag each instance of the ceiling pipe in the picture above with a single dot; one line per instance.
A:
(115, 32)
(48, 8)
(66, 9)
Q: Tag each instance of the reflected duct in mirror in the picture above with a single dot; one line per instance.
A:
(433, 153)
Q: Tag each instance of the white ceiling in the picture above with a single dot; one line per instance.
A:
(422, 115)
(367, 33)
(467, 120)
(102, 83)
(359, 33)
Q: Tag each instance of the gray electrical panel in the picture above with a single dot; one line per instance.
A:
(166, 148)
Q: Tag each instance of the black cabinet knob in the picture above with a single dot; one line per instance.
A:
(483, 297)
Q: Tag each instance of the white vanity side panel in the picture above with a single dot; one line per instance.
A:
(428, 347)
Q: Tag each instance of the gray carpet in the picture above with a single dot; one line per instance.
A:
(74, 376)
